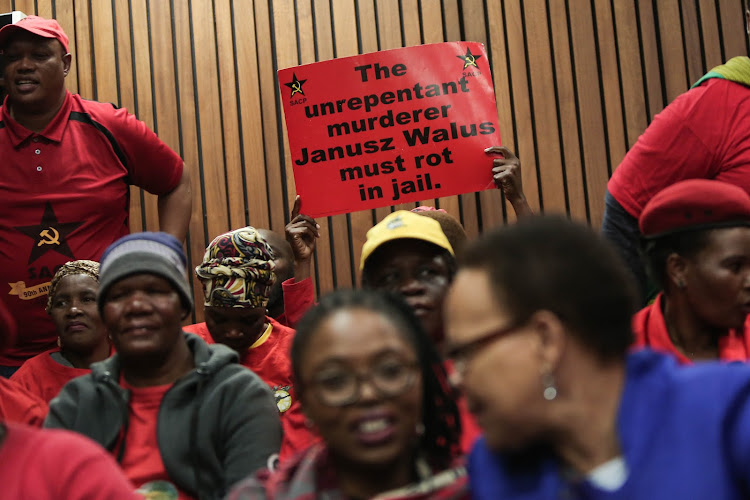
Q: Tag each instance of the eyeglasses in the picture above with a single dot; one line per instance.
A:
(342, 387)
(461, 354)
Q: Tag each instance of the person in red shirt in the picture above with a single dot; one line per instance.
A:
(182, 417)
(237, 274)
(46, 464)
(697, 247)
(67, 166)
(27, 454)
(703, 134)
(83, 338)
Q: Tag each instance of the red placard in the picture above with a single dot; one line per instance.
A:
(390, 127)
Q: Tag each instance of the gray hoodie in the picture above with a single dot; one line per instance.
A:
(216, 425)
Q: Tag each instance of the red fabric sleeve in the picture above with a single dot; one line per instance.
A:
(152, 164)
(54, 464)
(20, 406)
(299, 296)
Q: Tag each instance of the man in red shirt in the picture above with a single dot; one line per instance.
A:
(66, 171)
(237, 273)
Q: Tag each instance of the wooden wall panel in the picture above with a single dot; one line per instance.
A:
(577, 81)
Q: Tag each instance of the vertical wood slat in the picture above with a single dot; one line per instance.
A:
(183, 62)
(577, 81)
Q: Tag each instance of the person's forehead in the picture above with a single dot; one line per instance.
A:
(77, 280)
(398, 250)
(140, 280)
(356, 334)
(471, 305)
(279, 246)
(20, 37)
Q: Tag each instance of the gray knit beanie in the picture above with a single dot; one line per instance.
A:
(160, 254)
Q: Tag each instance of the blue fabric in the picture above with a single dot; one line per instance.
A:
(621, 229)
(684, 433)
(7, 371)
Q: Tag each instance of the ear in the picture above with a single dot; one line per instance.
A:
(67, 60)
(552, 337)
(677, 267)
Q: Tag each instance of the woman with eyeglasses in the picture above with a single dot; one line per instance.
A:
(573, 413)
(373, 386)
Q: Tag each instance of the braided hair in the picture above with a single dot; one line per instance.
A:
(442, 426)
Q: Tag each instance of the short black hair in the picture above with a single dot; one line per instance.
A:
(551, 263)
(655, 252)
(442, 426)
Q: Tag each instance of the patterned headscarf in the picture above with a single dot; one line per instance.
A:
(88, 267)
(237, 270)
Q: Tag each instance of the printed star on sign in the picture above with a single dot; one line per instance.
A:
(296, 85)
(469, 59)
(49, 234)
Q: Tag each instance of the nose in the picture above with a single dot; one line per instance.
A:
(74, 309)
(24, 64)
(137, 303)
(367, 391)
(411, 285)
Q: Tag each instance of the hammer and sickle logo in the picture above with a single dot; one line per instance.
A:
(296, 85)
(469, 59)
(48, 238)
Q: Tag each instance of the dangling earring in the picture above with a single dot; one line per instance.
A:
(550, 391)
(59, 342)
(419, 429)
(680, 284)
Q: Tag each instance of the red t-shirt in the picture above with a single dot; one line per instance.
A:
(20, 406)
(55, 464)
(269, 359)
(64, 195)
(142, 460)
(651, 331)
(44, 377)
(703, 134)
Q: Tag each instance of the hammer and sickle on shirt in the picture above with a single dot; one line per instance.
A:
(49, 239)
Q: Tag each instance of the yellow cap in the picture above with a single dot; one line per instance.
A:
(403, 224)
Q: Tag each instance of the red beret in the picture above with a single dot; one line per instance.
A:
(695, 204)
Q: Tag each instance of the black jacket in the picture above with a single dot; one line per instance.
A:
(217, 424)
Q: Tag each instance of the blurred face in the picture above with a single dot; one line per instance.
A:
(500, 376)
(35, 72)
(717, 279)
(143, 315)
(236, 327)
(420, 272)
(362, 388)
(75, 315)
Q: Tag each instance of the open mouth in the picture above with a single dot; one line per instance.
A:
(26, 85)
(374, 431)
